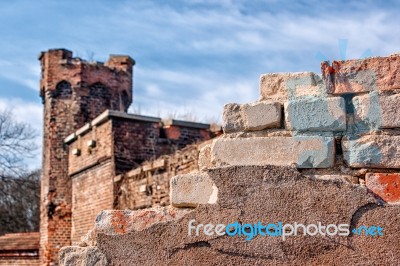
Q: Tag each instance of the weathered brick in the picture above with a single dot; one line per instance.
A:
(261, 115)
(363, 75)
(373, 111)
(290, 86)
(204, 161)
(116, 222)
(232, 118)
(82, 256)
(192, 189)
(251, 117)
(384, 185)
(299, 151)
(316, 114)
(378, 151)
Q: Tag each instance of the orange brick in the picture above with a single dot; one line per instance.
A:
(384, 185)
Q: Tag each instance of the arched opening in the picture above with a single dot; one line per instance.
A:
(63, 90)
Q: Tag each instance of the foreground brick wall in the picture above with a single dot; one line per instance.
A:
(73, 93)
(347, 122)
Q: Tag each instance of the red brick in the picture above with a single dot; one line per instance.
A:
(172, 132)
(385, 185)
(358, 76)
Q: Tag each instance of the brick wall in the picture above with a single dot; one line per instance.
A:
(92, 191)
(148, 185)
(134, 142)
(344, 125)
(100, 150)
(177, 134)
(117, 141)
(91, 168)
(19, 249)
(121, 142)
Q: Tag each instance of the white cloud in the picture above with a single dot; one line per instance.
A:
(23, 73)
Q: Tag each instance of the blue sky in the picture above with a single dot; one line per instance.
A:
(191, 56)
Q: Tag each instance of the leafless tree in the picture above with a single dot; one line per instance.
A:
(16, 144)
(19, 188)
(19, 203)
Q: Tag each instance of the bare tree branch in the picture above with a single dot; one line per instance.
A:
(19, 203)
(19, 189)
(16, 143)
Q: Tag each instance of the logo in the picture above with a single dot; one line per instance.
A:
(279, 229)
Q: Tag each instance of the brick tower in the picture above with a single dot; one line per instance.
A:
(74, 92)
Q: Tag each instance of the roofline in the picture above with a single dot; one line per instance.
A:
(105, 116)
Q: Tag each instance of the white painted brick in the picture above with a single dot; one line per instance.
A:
(316, 114)
(299, 151)
(378, 151)
(373, 111)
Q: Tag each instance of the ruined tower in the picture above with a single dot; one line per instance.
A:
(74, 92)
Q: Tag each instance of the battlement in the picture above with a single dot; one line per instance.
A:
(67, 74)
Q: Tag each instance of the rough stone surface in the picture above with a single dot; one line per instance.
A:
(299, 151)
(261, 115)
(87, 256)
(252, 116)
(316, 114)
(192, 189)
(337, 177)
(263, 193)
(114, 222)
(363, 75)
(385, 185)
(290, 86)
(373, 111)
(379, 151)
(205, 157)
(232, 118)
(89, 239)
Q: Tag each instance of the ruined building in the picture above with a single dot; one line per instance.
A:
(313, 155)
(97, 156)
